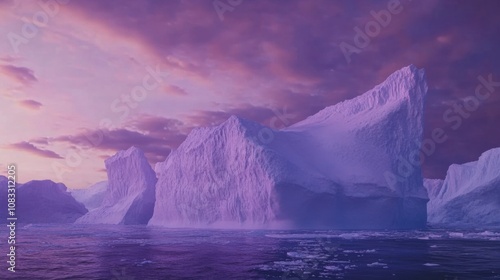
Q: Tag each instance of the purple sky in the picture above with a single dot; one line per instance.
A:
(145, 73)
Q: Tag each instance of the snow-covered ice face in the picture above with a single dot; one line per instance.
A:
(220, 175)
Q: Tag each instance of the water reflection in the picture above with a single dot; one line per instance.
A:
(140, 252)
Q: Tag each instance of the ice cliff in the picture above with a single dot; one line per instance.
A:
(469, 196)
(349, 166)
(130, 195)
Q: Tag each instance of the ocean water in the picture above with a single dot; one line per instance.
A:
(140, 252)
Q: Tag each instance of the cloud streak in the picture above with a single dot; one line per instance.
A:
(156, 136)
(22, 75)
(32, 149)
(30, 104)
(273, 62)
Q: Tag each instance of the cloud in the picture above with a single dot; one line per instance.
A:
(30, 104)
(116, 140)
(284, 59)
(9, 59)
(102, 170)
(174, 90)
(171, 132)
(21, 75)
(154, 124)
(30, 148)
(156, 136)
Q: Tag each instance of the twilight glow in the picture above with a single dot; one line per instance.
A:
(80, 81)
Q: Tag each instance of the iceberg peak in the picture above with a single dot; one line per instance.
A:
(130, 152)
(407, 85)
(239, 123)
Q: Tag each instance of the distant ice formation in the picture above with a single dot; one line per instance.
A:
(41, 202)
(469, 195)
(92, 196)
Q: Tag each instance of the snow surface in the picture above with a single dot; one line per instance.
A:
(130, 196)
(469, 195)
(343, 167)
(42, 202)
(92, 196)
(433, 187)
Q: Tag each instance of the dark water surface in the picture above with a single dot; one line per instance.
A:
(139, 252)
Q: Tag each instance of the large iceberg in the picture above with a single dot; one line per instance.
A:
(345, 167)
(470, 194)
(92, 196)
(130, 195)
(42, 201)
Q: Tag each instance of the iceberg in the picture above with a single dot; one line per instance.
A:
(130, 195)
(433, 187)
(469, 196)
(42, 201)
(92, 196)
(346, 167)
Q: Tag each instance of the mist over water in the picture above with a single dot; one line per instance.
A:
(140, 252)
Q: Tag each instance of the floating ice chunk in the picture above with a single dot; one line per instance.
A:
(333, 268)
(377, 264)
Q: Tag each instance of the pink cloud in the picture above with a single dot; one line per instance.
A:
(174, 90)
(30, 104)
(21, 75)
(32, 149)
